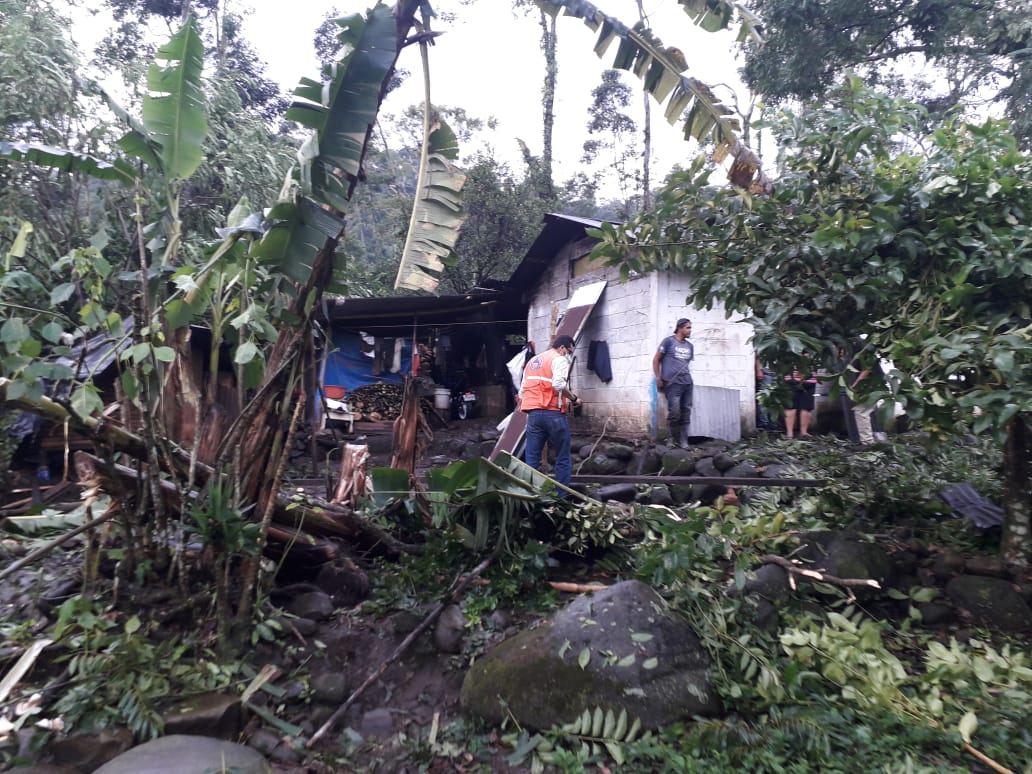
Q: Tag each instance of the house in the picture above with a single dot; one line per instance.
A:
(632, 318)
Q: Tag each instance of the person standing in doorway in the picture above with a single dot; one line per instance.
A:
(671, 366)
(545, 398)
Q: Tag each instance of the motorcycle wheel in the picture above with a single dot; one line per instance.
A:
(463, 411)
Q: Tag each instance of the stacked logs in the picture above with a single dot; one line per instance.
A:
(377, 402)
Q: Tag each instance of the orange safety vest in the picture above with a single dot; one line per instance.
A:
(538, 392)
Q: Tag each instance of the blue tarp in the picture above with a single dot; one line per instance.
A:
(347, 366)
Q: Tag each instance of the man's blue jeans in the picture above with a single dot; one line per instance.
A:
(551, 426)
(679, 406)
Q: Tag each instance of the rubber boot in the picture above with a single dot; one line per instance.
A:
(675, 433)
(686, 433)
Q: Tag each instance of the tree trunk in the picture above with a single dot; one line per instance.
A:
(646, 156)
(548, 48)
(1016, 541)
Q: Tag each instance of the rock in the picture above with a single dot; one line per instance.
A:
(88, 751)
(992, 601)
(489, 434)
(706, 466)
(742, 470)
(707, 494)
(682, 493)
(499, 620)
(623, 493)
(777, 471)
(306, 627)
(182, 754)
(621, 648)
(724, 462)
(315, 605)
(450, 630)
(656, 495)
(619, 451)
(329, 687)
(841, 555)
(439, 460)
(378, 723)
(210, 714)
(486, 447)
(645, 462)
(935, 613)
(602, 465)
(947, 563)
(345, 582)
(264, 740)
(993, 566)
(679, 462)
(769, 581)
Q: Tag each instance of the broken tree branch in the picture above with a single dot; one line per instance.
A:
(795, 568)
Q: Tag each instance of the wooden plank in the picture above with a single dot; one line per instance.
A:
(572, 323)
(720, 480)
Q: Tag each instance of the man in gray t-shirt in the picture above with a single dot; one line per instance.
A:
(672, 369)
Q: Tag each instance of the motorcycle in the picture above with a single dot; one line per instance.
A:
(463, 403)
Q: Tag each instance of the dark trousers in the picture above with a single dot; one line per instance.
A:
(679, 408)
(551, 427)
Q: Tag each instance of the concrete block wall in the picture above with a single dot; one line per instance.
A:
(632, 318)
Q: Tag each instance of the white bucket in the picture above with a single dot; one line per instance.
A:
(442, 398)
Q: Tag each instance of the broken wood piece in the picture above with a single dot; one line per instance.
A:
(17, 672)
(577, 588)
(795, 569)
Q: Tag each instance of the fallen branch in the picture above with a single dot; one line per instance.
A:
(458, 587)
(577, 588)
(795, 568)
(987, 760)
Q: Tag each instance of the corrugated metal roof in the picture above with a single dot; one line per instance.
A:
(557, 231)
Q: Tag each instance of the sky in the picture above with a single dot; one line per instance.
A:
(488, 62)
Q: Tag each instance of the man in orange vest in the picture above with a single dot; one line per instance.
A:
(545, 398)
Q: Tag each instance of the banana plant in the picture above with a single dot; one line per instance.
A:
(661, 69)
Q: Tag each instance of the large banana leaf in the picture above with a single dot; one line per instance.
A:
(660, 68)
(714, 15)
(343, 111)
(174, 110)
(437, 216)
(340, 114)
(66, 161)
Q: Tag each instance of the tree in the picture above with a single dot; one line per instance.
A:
(978, 52)
(611, 135)
(878, 241)
(504, 216)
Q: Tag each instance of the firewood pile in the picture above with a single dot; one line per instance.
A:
(377, 402)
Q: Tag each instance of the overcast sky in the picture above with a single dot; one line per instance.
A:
(489, 63)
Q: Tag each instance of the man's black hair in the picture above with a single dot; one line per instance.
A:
(563, 341)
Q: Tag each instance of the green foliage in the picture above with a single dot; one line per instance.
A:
(119, 676)
(984, 47)
(591, 737)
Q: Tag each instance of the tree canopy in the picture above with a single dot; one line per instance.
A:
(878, 241)
(978, 52)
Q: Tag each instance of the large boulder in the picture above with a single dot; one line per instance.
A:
(621, 648)
(184, 754)
(992, 601)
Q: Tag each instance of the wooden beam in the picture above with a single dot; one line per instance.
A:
(705, 480)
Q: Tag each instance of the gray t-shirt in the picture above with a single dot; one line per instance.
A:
(677, 355)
